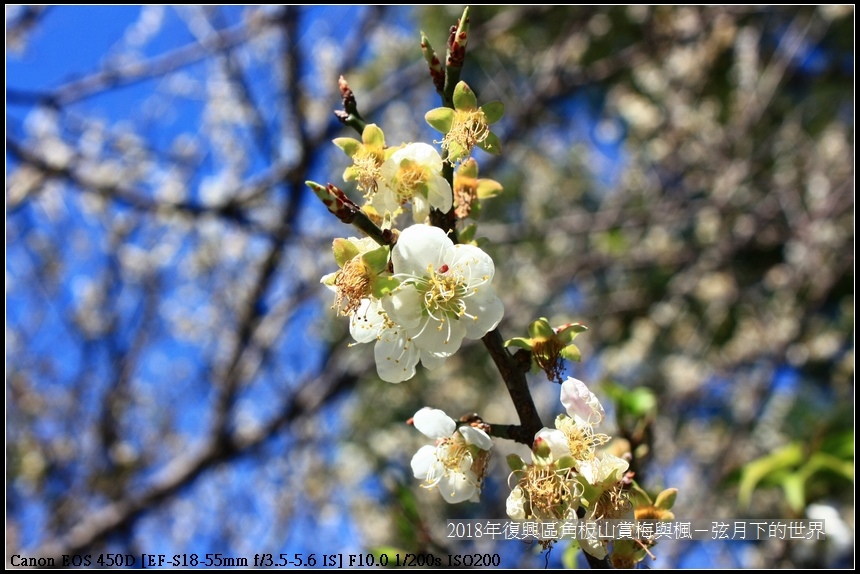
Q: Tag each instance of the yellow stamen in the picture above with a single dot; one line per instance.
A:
(468, 129)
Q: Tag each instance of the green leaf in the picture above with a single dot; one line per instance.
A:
(520, 342)
(666, 499)
(469, 169)
(754, 472)
(640, 402)
(377, 259)
(467, 234)
(475, 212)
(515, 463)
(488, 188)
(440, 119)
(840, 444)
(492, 144)
(464, 98)
(571, 353)
(384, 285)
(343, 250)
(568, 557)
(373, 136)
(795, 491)
(493, 111)
(823, 461)
(349, 146)
(329, 279)
(456, 152)
(541, 329)
(568, 333)
(639, 497)
(565, 462)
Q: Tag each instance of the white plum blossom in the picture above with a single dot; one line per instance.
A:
(413, 173)
(456, 464)
(396, 357)
(574, 435)
(444, 293)
(581, 403)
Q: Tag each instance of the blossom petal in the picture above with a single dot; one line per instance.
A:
(403, 305)
(439, 193)
(556, 440)
(423, 460)
(432, 361)
(593, 546)
(421, 153)
(487, 311)
(434, 423)
(608, 469)
(367, 322)
(385, 199)
(580, 402)
(476, 437)
(396, 357)
(441, 338)
(417, 247)
(420, 208)
(458, 487)
(472, 262)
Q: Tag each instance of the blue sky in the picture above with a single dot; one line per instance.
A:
(72, 42)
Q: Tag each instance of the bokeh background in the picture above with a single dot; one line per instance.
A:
(679, 179)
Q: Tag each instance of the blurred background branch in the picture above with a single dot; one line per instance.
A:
(679, 179)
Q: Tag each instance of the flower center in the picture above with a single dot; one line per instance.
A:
(468, 129)
(353, 284)
(455, 457)
(410, 178)
(465, 193)
(549, 492)
(367, 164)
(612, 504)
(547, 355)
(581, 439)
(443, 293)
(456, 450)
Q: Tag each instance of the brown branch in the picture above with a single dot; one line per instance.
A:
(109, 79)
(231, 211)
(185, 469)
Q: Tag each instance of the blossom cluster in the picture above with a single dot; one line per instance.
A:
(417, 294)
(567, 475)
(418, 300)
(433, 295)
